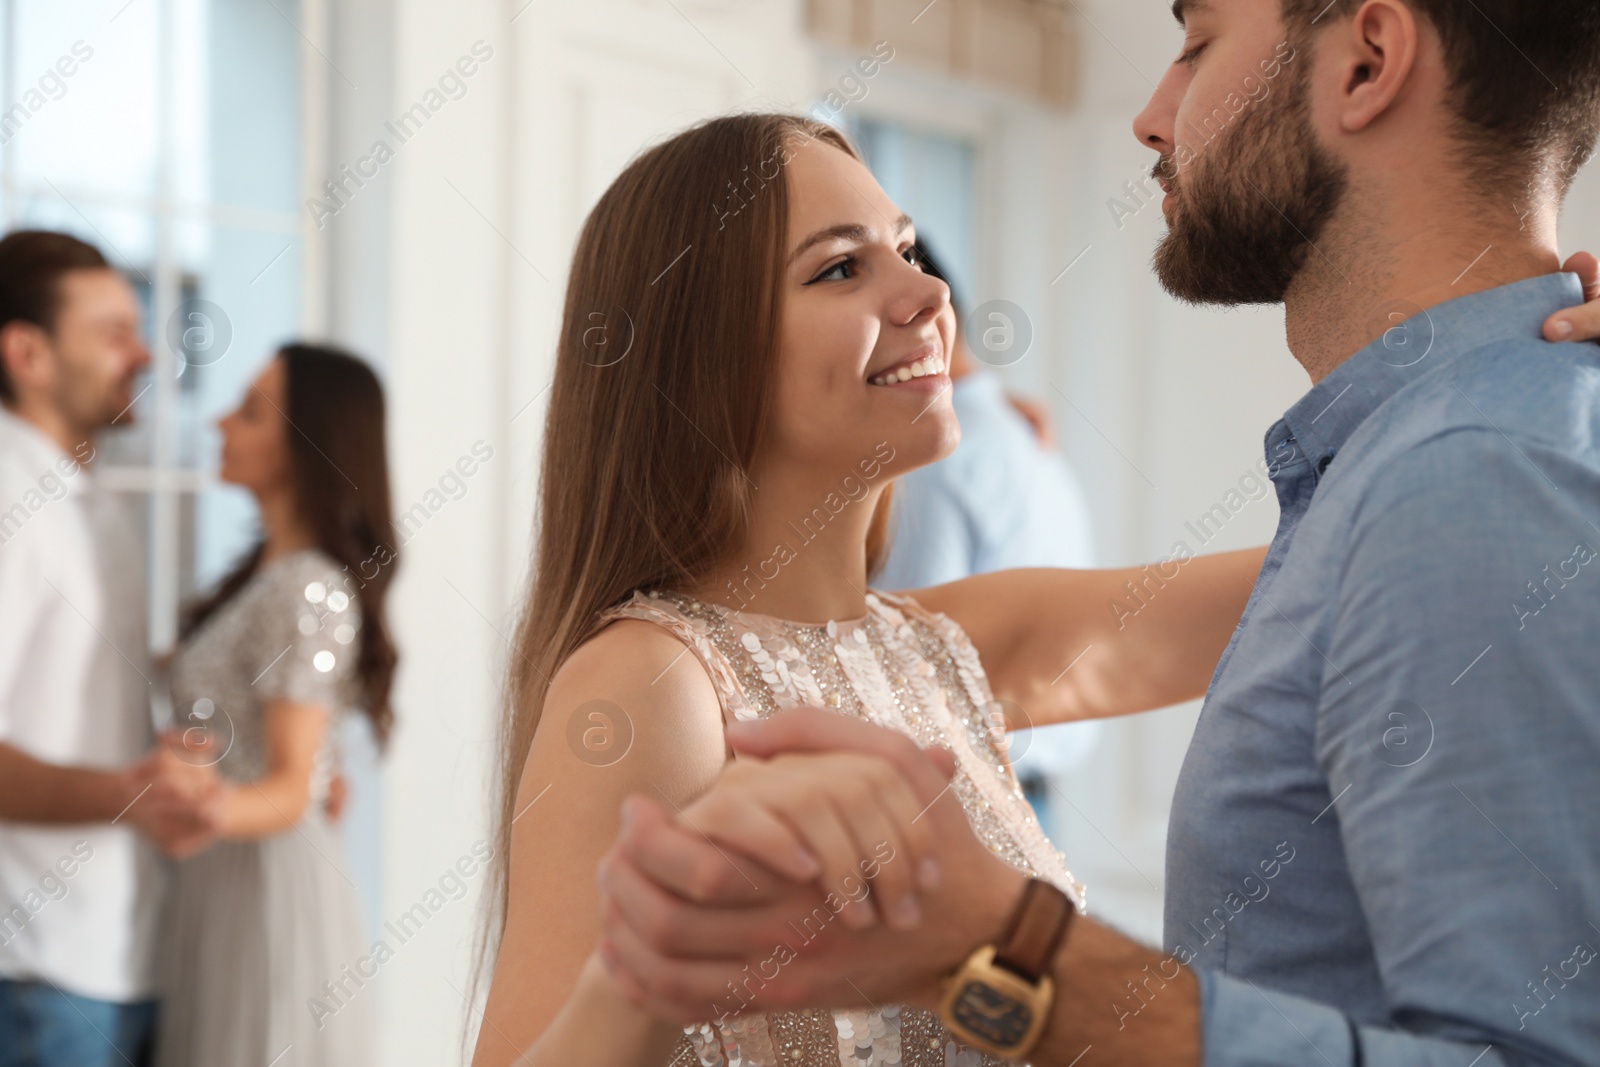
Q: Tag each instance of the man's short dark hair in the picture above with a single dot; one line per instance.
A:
(1525, 77)
(31, 265)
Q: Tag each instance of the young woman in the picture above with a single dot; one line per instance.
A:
(260, 923)
(750, 355)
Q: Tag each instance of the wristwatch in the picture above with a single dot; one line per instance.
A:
(1000, 998)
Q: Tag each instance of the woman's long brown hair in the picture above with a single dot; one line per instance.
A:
(647, 456)
(335, 408)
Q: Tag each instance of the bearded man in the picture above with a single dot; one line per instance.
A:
(1384, 846)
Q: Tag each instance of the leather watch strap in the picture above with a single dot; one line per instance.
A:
(1036, 929)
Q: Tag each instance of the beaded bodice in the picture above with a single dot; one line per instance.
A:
(290, 633)
(899, 666)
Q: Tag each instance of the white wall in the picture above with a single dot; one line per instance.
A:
(1167, 404)
(447, 299)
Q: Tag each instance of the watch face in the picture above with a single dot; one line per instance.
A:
(991, 1015)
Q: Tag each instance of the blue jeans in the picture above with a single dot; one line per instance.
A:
(42, 1026)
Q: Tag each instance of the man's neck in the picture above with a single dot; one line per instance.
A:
(1373, 269)
(68, 436)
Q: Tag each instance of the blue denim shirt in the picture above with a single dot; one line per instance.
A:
(1385, 841)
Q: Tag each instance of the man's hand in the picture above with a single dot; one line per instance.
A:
(176, 797)
(338, 795)
(1038, 416)
(695, 930)
(1579, 323)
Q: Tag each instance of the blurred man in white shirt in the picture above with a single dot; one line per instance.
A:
(82, 808)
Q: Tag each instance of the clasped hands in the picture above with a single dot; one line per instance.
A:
(830, 866)
(176, 794)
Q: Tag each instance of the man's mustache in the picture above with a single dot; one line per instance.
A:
(1165, 172)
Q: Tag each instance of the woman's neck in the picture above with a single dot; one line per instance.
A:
(285, 532)
(804, 556)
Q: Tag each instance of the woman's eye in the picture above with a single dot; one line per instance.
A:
(833, 271)
(913, 257)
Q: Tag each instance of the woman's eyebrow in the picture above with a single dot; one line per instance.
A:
(849, 231)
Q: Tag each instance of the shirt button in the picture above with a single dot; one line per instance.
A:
(1322, 464)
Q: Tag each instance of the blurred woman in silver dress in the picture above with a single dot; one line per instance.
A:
(263, 933)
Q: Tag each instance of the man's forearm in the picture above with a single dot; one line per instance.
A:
(1131, 1003)
(1127, 1001)
(32, 791)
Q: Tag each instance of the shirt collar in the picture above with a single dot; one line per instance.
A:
(39, 451)
(1320, 422)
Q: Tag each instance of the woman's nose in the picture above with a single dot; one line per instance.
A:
(921, 294)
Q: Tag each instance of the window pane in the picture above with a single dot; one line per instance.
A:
(98, 127)
(217, 530)
(167, 133)
(126, 235)
(248, 287)
(255, 101)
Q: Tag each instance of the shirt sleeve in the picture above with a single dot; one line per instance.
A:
(21, 594)
(1459, 730)
(313, 629)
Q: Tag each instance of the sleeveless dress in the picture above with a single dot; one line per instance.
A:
(899, 666)
(263, 953)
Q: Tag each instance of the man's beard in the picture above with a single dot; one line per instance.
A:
(1249, 208)
(89, 400)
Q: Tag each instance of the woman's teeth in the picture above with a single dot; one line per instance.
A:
(920, 369)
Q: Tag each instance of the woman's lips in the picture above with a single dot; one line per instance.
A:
(912, 370)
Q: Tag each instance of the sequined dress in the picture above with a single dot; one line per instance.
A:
(263, 954)
(899, 666)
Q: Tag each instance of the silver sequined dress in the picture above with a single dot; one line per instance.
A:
(899, 666)
(262, 955)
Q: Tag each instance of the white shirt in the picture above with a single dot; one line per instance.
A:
(78, 904)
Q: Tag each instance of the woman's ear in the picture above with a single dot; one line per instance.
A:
(1379, 55)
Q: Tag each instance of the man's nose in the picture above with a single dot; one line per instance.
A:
(1155, 125)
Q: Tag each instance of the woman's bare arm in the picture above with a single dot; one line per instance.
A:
(1065, 645)
(274, 802)
(550, 999)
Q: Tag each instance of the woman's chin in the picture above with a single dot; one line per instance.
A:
(931, 438)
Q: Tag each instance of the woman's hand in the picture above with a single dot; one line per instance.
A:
(179, 800)
(862, 839)
(1579, 323)
(689, 920)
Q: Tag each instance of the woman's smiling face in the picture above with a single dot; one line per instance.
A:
(866, 336)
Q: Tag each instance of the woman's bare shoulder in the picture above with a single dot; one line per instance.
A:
(631, 711)
(634, 702)
(635, 660)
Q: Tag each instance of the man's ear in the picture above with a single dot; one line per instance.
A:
(23, 347)
(1377, 59)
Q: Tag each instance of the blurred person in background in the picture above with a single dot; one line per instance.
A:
(1005, 498)
(262, 929)
(85, 799)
